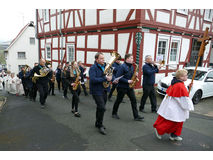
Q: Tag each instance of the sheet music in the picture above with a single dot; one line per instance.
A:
(117, 79)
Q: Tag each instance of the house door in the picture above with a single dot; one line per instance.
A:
(194, 53)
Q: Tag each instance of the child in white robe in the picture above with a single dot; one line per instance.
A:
(19, 86)
(12, 83)
(174, 109)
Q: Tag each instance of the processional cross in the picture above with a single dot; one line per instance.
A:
(205, 40)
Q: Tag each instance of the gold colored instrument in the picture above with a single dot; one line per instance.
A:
(77, 81)
(43, 72)
(134, 77)
(108, 69)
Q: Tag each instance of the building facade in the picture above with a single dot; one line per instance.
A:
(23, 50)
(169, 35)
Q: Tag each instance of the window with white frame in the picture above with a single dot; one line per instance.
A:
(162, 48)
(46, 15)
(208, 14)
(182, 11)
(70, 52)
(48, 52)
(21, 55)
(174, 51)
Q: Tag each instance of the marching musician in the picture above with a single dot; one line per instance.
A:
(149, 70)
(34, 88)
(75, 78)
(42, 82)
(58, 76)
(51, 82)
(126, 70)
(98, 91)
(29, 83)
(22, 76)
(83, 76)
(65, 81)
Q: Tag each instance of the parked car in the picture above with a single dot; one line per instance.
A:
(202, 84)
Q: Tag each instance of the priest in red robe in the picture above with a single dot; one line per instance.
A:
(174, 109)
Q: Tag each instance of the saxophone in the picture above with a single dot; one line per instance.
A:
(134, 77)
(108, 69)
(77, 81)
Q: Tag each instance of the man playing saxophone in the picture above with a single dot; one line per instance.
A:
(126, 70)
(42, 75)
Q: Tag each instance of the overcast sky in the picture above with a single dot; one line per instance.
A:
(14, 21)
(14, 15)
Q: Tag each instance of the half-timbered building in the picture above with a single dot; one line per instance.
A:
(166, 34)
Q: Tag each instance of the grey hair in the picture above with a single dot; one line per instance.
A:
(147, 56)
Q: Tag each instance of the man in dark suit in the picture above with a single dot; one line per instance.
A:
(149, 70)
(98, 91)
(126, 70)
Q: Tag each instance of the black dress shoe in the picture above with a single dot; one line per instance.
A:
(141, 110)
(115, 116)
(97, 126)
(42, 106)
(102, 130)
(139, 118)
(154, 111)
(77, 114)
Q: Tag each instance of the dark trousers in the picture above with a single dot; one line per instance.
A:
(114, 86)
(26, 89)
(63, 83)
(34, 91)
(75, 98)
(43, 90)
(59, 84)
(148, 91)
(66, 87)
(131, 94)
(31, 93)
(51, 87)
(84, 88)
(100, 101)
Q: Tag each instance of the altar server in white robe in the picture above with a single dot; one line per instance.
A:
(19, 86)
(174, 109)
(6, 81)
(12, 83)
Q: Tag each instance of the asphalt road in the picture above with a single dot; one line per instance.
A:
(24, 126)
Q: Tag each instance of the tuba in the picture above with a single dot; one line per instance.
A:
(108, 69)
(134, 77)
(43, 72)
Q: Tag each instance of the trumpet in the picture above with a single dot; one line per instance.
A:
(159, 63)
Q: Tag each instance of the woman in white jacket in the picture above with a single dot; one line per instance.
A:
(174, 109)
